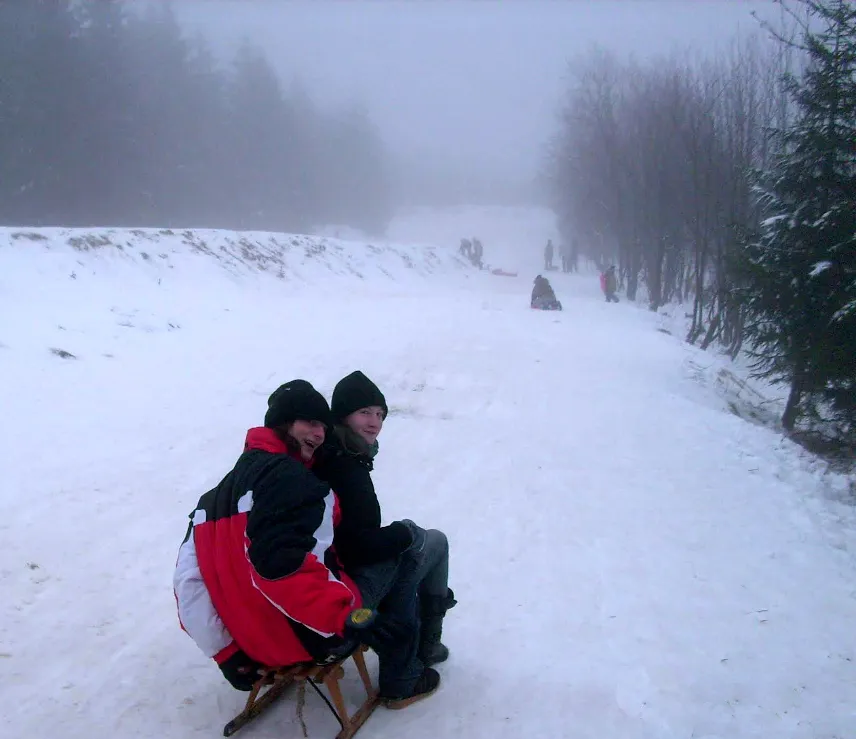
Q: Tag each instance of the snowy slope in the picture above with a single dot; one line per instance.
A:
(631, 559)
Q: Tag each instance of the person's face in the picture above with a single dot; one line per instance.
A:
(366, 422)
(309, 435)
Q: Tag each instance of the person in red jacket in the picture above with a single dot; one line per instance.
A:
(257, 579)
(609, 284)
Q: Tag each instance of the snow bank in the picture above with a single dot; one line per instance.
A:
(289, 257)
(98, 280)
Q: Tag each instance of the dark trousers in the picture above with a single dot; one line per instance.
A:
(393, 587)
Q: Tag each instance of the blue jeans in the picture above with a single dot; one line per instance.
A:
(431, 565)
(393, 587)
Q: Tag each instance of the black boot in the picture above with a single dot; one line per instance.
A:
(427, 683)
(434, 607)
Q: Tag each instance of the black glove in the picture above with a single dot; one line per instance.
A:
(241, 671)
(402, 538)
(374, 629)
(417, 537)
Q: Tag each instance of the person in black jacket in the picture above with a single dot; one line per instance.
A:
(543, 297)
(388, 563)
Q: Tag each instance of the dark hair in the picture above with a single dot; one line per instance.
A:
(283, 434)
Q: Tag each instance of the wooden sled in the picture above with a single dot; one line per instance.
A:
(274, 683)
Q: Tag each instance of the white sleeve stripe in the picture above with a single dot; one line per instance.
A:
(324, 533)
(195, 609)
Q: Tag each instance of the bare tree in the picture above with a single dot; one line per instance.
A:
(651, 164)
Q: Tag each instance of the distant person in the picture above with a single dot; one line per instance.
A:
(478, 252)
(565, 251)
(466, 248)
(543, 297)
(548, 255)
(609, 284)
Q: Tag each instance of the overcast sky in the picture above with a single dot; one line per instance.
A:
(474, 83)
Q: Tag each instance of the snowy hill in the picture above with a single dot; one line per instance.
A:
(148, 279)
(200, 252)
(632, 559)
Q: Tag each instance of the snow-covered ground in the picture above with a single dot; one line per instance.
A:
(632, 560)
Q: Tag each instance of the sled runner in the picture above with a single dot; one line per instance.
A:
(272, 684)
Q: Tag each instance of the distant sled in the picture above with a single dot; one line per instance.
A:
(502, 272)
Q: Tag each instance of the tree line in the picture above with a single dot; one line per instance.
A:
(110, 115)
(730, 184)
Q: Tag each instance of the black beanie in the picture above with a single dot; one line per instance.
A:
(354, 392)
(296, 400)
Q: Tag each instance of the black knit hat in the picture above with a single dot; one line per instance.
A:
(354, 392)
(296, 400)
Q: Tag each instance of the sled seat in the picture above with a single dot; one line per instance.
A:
(273, 683)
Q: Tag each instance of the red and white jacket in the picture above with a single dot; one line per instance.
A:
(257, 570)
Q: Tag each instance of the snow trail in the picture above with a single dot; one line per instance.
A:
(630, 559)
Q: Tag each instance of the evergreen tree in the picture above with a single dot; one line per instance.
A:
(40, 72)
(355, 173)
(263, 147)
(800, 268)
(110, 115)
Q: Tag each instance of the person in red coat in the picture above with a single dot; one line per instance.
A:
(609, 284)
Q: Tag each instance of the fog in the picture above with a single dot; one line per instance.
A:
(290, 116)
(465, 94)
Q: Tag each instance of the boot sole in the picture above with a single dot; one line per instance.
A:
(397, 705)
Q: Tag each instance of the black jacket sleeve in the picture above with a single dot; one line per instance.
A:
(360, 539)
